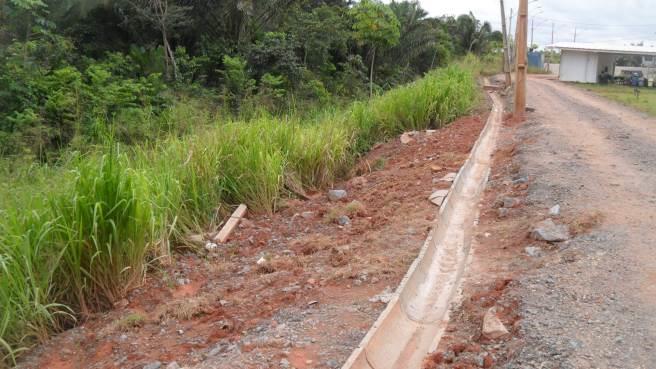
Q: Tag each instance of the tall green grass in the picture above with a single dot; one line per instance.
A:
(75, 238)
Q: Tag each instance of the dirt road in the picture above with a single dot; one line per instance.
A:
(589, 302)
(596, 308)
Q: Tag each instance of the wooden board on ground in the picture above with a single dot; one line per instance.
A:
(231, 224)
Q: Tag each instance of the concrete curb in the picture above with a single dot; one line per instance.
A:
(415, 318)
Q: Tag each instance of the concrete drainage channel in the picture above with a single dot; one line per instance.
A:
(413, 323)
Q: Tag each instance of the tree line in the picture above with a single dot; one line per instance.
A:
(74, 72)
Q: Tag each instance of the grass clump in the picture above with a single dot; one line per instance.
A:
(76, 237)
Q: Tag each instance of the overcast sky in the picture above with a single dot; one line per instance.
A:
(616, 21)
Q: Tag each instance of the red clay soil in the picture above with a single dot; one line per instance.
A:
(498, 258)
(310, 303)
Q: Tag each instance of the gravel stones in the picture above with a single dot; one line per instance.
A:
(336, 195)
(549, 231)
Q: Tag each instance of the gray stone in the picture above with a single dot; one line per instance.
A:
(284, 363)
(554, 211)
(503, 212)
(549, 231)
(153, 365)
(173, 365)
(332, 363)
(510, 202)
(343, 220)
(533, 251)
(520, 180)
(307, 214)
(336, 195)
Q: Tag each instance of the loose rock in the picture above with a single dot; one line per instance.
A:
(336, 195)
(384, 297)
(405, 138)
(555, 211)
(510, 202)
(533, 251)
(173, 365)
(153, 365)
(493, 328)
(343, 220)
(549, 231)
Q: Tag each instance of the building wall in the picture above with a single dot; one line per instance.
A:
(606, 61)
(578, 66)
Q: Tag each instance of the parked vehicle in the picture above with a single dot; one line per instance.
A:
(636, 79)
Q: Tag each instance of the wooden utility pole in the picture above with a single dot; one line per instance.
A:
(520, 79)
(511, 43)
(574, 34)
(506, 52)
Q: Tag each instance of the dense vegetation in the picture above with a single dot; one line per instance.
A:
(126, 125)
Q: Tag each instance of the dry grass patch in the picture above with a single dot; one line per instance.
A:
(188, 308)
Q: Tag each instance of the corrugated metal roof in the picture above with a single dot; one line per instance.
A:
(605, 48)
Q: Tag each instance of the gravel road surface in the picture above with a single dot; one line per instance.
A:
(596, 306)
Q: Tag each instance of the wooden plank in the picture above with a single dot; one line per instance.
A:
(231, 224)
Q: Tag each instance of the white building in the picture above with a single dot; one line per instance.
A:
(584, 62)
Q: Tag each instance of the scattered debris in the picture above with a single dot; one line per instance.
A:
(554, 211)
(230, 225)
(438, 197)
(383, 297)
(450, 177)
(493, 328)
(211, 246)
(549, 231)
(336, 195)
(182, 281)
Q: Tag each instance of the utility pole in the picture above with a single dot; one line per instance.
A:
(511, 22)
(511, 43)
(506, 52)
(532, 29)
(553, 26)
(574, 33)
(520, 80)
